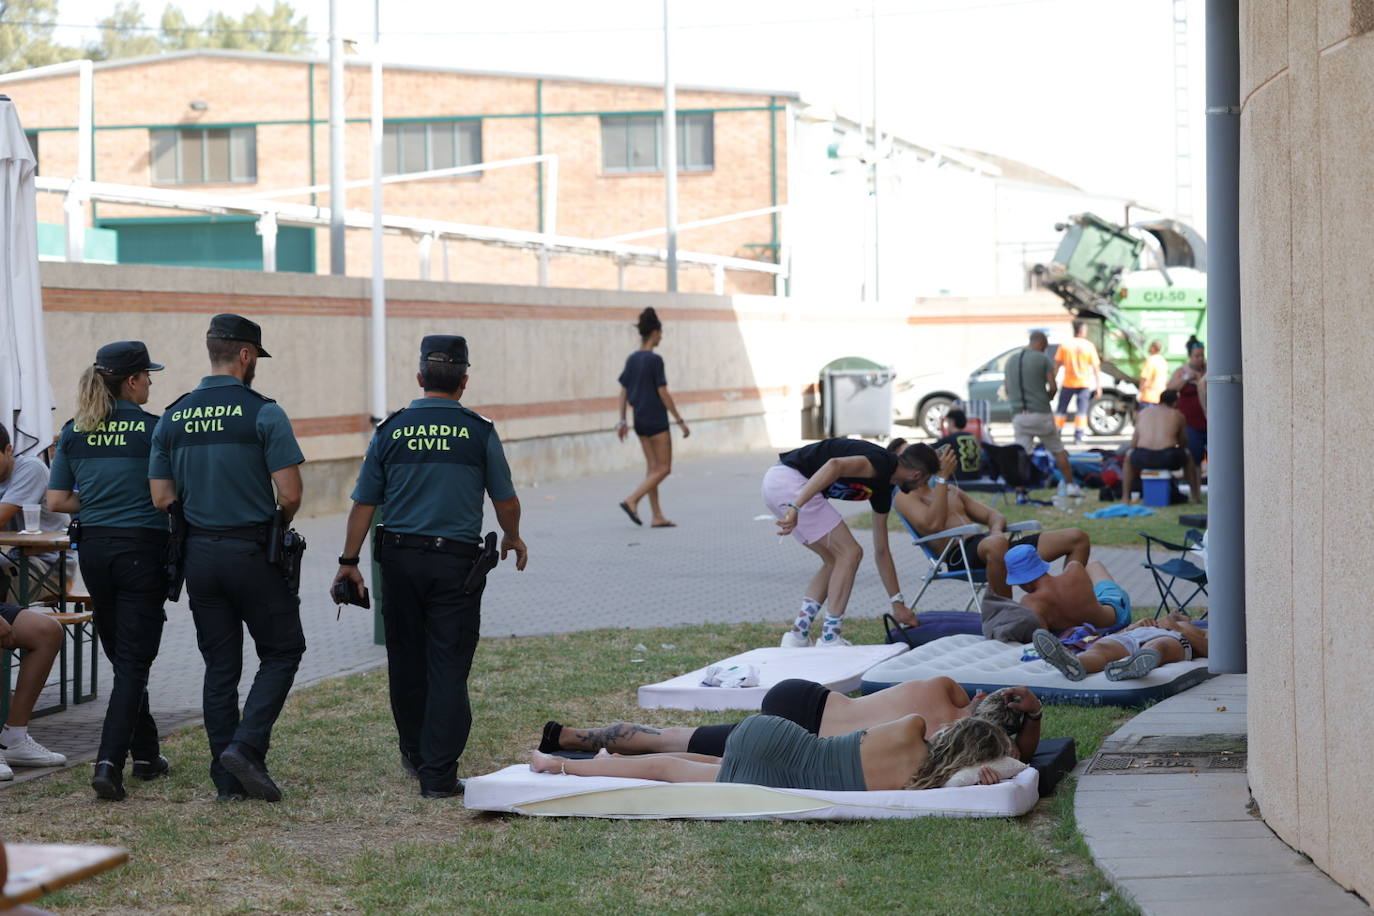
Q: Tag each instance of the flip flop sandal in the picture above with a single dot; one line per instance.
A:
(634, 516)
(1053, 651)
(664, 525)
(1138, 665)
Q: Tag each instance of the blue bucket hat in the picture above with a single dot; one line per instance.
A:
(1024, 565)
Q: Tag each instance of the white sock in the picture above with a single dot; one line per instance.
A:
(11, 735)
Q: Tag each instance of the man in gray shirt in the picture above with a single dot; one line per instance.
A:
(1030, 386)
(24, 482)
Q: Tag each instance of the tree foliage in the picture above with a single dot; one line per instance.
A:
(26, 30)
(27, 26)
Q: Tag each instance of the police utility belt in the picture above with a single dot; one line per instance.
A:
(424, 542)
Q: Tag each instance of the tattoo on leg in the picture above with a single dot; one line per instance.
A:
(595, 739)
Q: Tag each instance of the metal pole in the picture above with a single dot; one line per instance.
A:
(378, 401)
(1225, 393)
(337, 203)
(670, 143)
(877, 222)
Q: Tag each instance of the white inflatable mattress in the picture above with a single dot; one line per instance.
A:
(518, 790)
(987, 664)
(839, 669)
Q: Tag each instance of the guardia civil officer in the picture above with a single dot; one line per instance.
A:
(430, 463)
(219, 451)
(101, 471)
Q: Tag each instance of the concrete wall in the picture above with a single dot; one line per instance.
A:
(1307, 179)
(742, 369)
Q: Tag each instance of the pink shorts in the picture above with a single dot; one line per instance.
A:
(815, 520)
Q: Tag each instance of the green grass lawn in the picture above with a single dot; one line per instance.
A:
(1106, 532)
(352, 834)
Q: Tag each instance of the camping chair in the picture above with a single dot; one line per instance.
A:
(1178, 569)
(939, 570)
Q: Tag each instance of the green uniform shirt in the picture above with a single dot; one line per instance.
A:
(1027, 370)
(221, 444)
(429, 464)
(108, 466)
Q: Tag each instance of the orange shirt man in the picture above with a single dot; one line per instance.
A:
(1082, 374)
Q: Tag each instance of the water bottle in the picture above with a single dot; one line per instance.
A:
(1061, 497)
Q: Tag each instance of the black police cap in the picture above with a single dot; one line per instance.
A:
(124, 357)
(235, 327)
(444, 348)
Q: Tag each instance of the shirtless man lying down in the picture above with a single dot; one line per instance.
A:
(1080, 594)
(826, 713)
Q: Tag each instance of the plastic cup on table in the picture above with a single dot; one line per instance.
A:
(32, 516)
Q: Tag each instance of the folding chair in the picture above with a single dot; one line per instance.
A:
(1175, 569)
(938, 569)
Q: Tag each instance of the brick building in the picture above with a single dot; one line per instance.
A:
(951, 222)
(245, 123)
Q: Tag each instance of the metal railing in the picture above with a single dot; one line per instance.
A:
(271, 214)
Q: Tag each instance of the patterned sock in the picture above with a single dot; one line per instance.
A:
(11, 735)
(830, 629)
(807, 616)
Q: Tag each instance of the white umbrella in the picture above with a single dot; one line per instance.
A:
(26, 400)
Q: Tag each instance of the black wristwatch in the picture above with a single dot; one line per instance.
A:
(348, 561)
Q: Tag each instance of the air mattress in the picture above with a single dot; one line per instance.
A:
(518, 790)
(987, 664)
(839, 669)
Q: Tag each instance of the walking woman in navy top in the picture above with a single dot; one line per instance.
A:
(644, 386)
(101, 471)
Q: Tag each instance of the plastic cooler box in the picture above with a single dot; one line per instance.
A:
(1155, 487)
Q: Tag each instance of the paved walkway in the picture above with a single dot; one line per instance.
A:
(1182, 842)
(589, 568)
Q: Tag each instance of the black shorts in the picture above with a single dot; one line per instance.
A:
(1158, 459)
(645, 432)
(9, 612)
(955, 562)
(796, 700)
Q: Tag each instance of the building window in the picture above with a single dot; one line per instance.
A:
(428, 145)
(634, 143)
(32, 137)
(200, 156)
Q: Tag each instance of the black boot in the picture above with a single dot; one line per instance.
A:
(108, 781)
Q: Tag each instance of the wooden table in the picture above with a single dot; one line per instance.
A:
(35, 870)
(32, 545)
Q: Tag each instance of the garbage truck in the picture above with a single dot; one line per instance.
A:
(1131, 284)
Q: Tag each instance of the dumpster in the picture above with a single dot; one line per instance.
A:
(856, 396)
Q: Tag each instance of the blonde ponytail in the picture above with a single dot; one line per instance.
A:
(95, 398)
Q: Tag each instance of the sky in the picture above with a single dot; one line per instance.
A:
(1083, 89)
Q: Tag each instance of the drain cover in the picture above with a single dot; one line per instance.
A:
(1109, 764)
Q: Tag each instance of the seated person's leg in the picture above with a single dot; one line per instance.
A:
(991, 554)
(1129, 476)
(41, 638)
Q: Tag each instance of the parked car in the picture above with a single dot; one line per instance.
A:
(925, 399)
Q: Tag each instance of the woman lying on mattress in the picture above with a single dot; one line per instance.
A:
(827, 713)
(769, 751)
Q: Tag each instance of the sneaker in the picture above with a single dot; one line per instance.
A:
(29, 753)
(1073, 489)
(1053, 651)
(794, 639)
(5, 772)
(831, 641)
(1134, 666)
